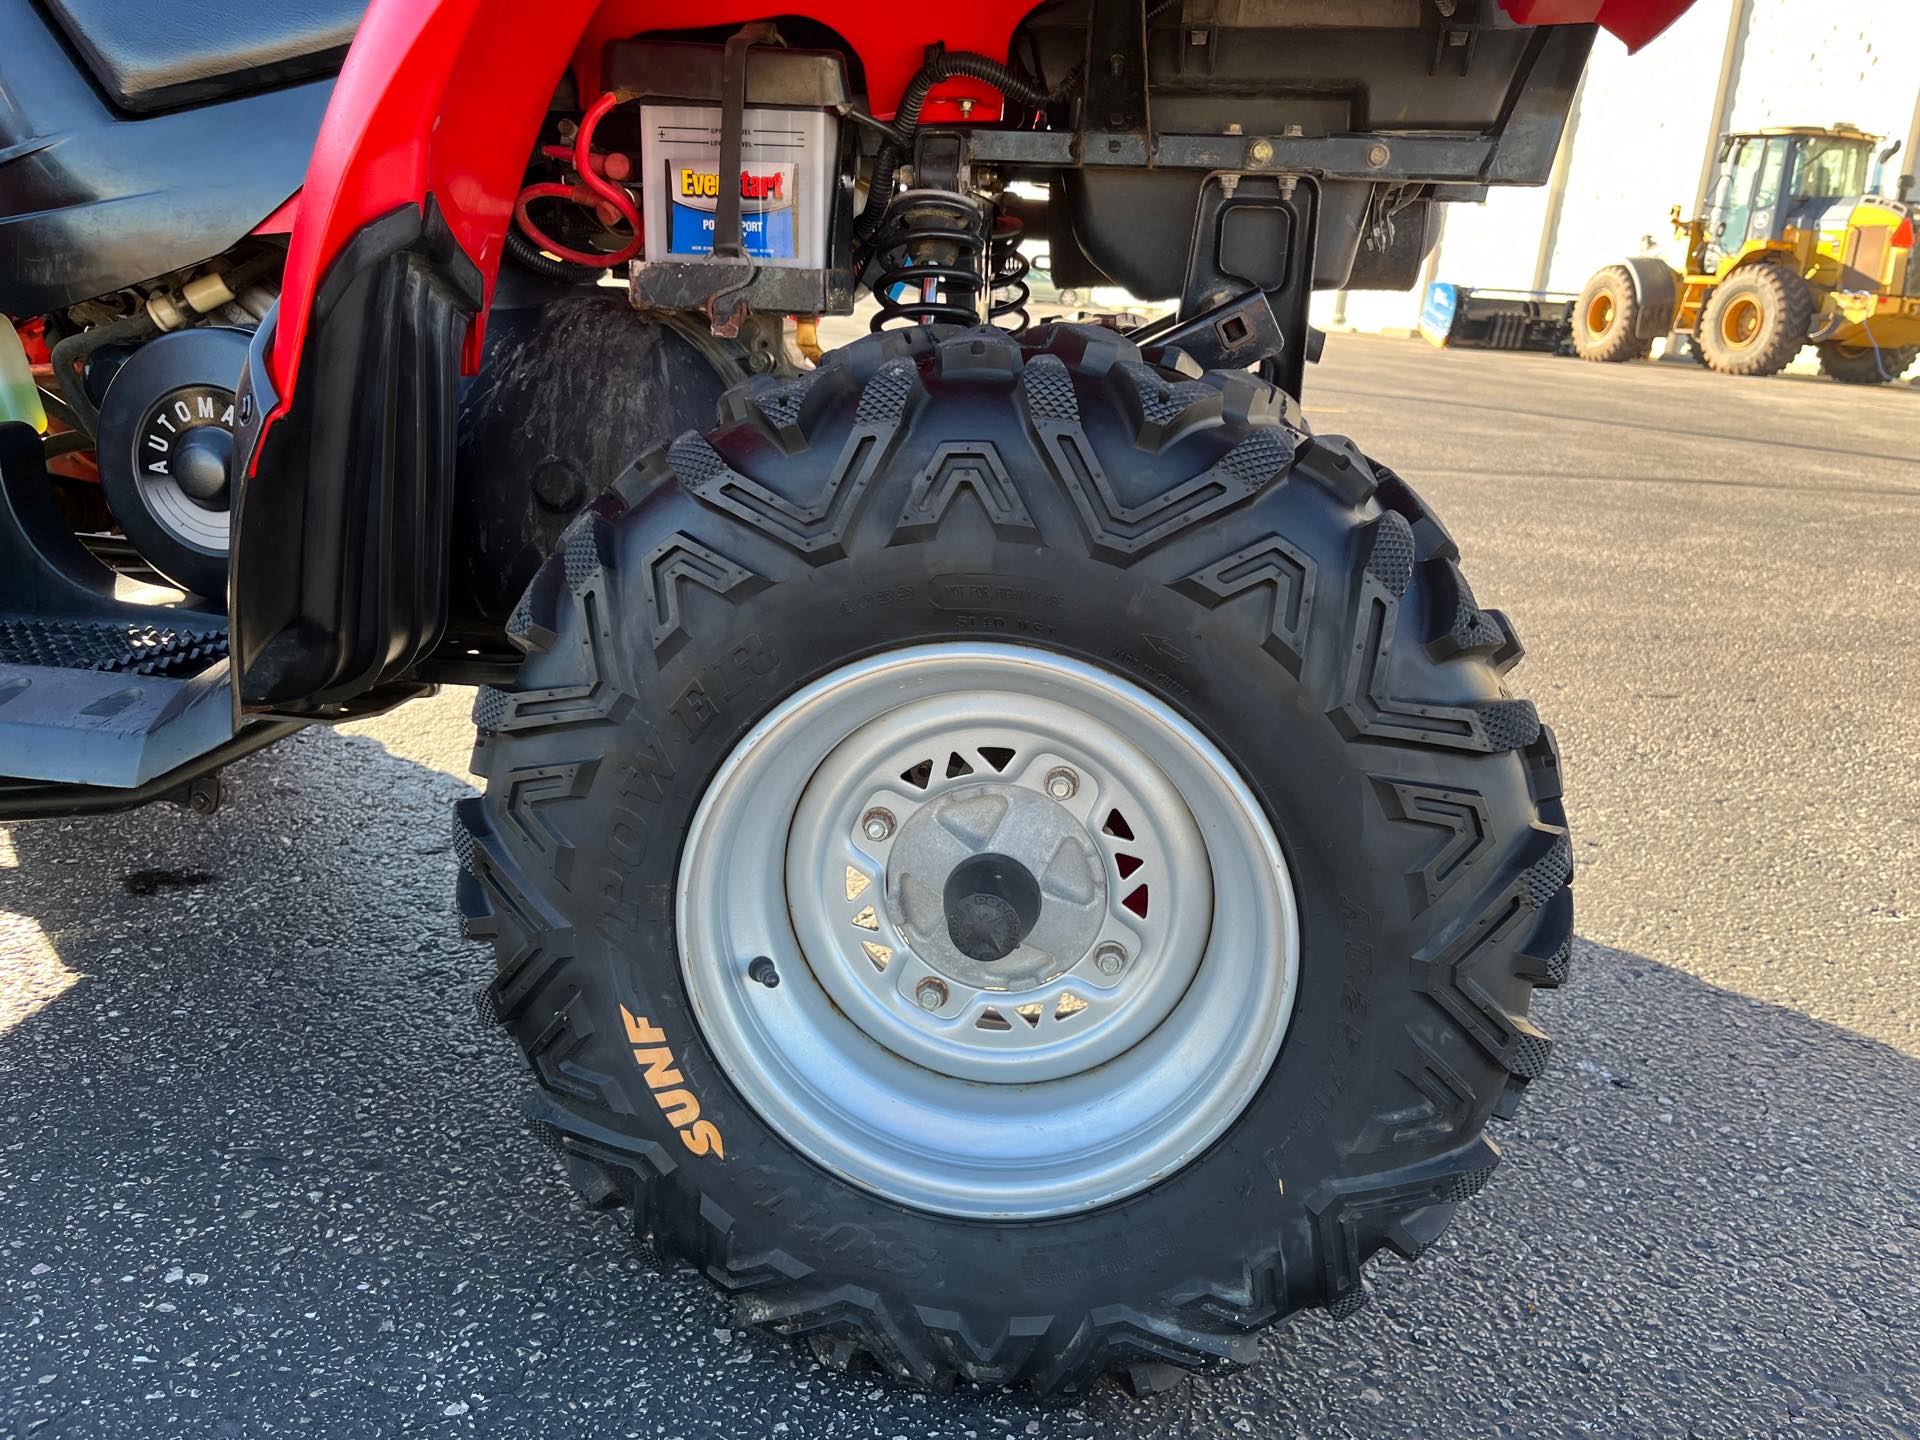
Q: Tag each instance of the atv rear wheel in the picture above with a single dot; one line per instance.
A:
(1607, 317)
(1755, 321)
(1863, 365)
(1017, 861)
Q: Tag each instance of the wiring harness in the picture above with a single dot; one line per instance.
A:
(594, 188)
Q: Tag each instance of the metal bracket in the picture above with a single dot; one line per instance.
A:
(203, 794)
(727, 307)
(940, 161)
(1457, 35)
(195, 785)
(1519, 150)
(1254, 236)
(1236, 334)
(1113, 99)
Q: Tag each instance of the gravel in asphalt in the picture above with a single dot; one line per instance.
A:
(262, 1174)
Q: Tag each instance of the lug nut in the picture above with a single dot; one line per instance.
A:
(1062, 783)
(877, 824)
(931, 994)
(1110, 959)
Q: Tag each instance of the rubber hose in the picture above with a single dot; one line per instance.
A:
(71, 354)
(947, 65)
(524, 251)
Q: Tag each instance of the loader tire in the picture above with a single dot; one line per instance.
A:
(1863, 365)
(1209, 739)
(1606, 318)
(1755, 321)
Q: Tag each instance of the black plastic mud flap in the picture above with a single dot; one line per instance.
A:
(340, 530)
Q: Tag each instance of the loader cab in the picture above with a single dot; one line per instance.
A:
(1772, 182)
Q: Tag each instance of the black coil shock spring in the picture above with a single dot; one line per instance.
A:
(1008, 292)
(929, 253)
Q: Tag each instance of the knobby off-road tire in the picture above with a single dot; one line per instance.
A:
(1756, 320)
(1860, 365)
(1296, 602)
(1606, 318)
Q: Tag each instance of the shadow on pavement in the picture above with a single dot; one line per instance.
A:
(262, 1173)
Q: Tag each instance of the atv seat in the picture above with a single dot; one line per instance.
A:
(150, 56)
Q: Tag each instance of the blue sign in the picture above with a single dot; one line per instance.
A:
(1436, 316)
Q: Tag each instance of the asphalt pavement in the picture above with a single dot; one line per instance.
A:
(262, 1174)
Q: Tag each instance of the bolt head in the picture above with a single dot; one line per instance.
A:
(1110, 959)
(1377, 155)
(877, 824)
(1062, 784)
(1260, 152)
(930, 994)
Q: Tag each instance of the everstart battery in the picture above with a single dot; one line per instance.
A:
(785, 168)
(789, 149)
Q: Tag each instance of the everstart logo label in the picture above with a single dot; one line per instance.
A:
(770, 185)
(655, 1059)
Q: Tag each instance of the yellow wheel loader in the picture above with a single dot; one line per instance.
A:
(1795, 248)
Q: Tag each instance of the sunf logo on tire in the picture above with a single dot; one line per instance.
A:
(678, 1104)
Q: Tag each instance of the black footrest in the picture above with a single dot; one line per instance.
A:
(94, 727)
(130, 647)
(98, 687)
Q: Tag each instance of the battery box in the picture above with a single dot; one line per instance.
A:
(789, 154)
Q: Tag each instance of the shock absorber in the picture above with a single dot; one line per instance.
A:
(931, 253)
(1008, 291)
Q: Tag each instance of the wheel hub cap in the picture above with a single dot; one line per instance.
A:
(997, 890)
(183, 451)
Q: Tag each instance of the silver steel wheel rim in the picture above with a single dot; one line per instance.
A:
(1137, 1004)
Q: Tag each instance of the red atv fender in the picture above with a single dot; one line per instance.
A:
(345, 414)
(445, 98)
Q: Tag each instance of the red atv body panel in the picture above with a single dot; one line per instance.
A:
(445, 97)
